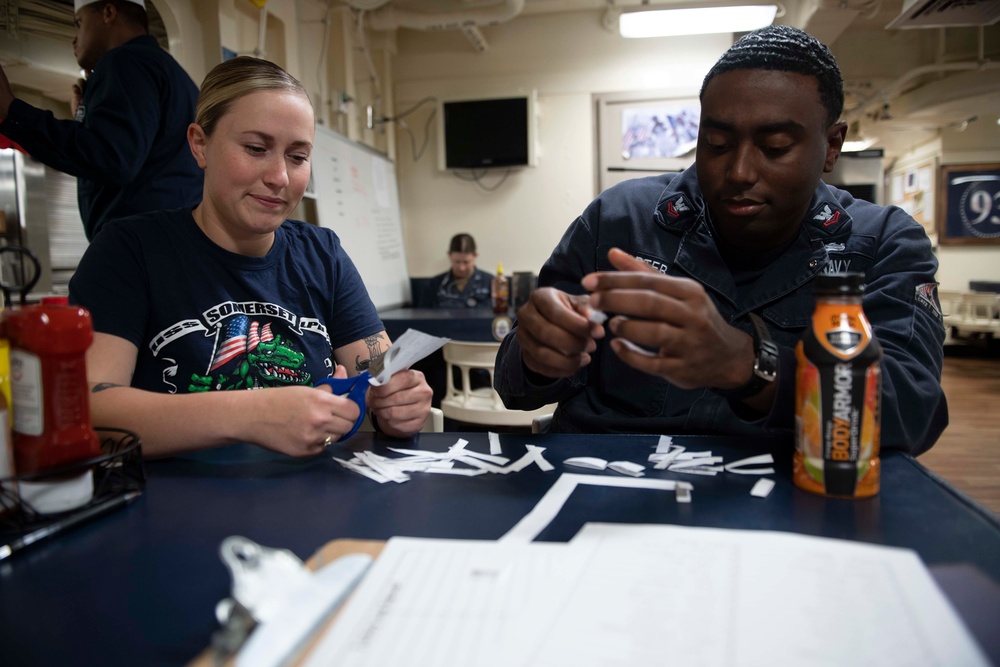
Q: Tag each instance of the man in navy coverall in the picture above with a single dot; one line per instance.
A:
(127, 145)
(684, 264)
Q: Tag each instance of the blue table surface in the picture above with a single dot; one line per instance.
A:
(468, 324)
(139, 587)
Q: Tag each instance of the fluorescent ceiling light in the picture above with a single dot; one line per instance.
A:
(697, 21)
(855, 145)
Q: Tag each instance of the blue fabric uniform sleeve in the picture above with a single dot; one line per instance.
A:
(914, 409)
(111, 145)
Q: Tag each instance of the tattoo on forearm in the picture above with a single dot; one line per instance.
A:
(104, 385)
(375, 351)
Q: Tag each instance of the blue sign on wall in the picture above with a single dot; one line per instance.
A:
(970, 205)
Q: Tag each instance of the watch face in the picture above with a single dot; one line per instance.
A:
(767, 374)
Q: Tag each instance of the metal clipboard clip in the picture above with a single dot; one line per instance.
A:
(277, 603)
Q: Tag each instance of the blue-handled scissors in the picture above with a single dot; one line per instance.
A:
(354, 388)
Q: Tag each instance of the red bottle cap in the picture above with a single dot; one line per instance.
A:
(55, 300)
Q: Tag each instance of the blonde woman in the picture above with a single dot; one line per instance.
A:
(231, 295)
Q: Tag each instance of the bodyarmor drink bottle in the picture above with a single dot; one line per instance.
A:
(838, 394)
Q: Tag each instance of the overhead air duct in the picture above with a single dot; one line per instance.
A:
(946, 14)
(466, 20)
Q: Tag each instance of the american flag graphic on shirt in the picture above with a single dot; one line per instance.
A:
(239, 336)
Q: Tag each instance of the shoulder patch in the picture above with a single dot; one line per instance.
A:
(828, 218)
(677, 206)
(927, 296)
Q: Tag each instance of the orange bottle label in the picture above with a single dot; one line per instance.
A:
(838, 403)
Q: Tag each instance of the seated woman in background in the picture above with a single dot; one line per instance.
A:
(231, 295)
(464, 286)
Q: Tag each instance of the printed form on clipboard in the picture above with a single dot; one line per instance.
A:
(643, 595)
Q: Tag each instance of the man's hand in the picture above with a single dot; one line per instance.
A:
(554, 334)
(686, 340)
(77, 99)
(402, 404)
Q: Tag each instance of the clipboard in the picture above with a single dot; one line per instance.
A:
(326, 554)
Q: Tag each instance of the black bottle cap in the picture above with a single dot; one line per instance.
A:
(839, 283)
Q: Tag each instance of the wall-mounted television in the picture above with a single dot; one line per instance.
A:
(487, 133)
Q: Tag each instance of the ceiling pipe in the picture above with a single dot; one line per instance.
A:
(390, 18)
(890, 92)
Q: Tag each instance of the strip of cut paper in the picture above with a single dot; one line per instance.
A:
(546, 509)
(459, 459)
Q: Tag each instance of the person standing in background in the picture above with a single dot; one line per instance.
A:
(464, 286)
(127, 145)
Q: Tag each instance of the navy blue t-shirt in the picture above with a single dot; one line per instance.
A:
(205, 318)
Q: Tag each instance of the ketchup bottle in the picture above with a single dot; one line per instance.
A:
(51, 403)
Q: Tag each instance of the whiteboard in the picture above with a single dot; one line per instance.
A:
(357, 197)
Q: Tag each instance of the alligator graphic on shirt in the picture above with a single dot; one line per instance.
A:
(270, 363)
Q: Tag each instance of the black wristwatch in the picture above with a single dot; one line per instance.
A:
(765, 365)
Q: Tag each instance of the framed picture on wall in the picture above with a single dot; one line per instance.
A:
(644, 133)
(969, 204)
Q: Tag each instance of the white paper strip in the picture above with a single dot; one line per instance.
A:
(688, 456)
(408, 349)
(589, 462)
(696, 463)
(536, 456)
(739, 467)
(710, 471)
(664, 460)
(683, 493)
(475, 462)
(495, 448)
(464, 472)
(627, 468)
(372, 461)
(497, 460)
(762, 487)
(362, 470)
(548, 507)
(520, 464)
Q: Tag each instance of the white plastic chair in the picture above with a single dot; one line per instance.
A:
(978, 313)
(482, 405)
(951, 311)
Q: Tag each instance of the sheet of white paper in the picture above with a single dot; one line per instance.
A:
(614, 596)
(548, 507)
(451, 603)
(405, 351)
(495, 448)
(765, 598)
